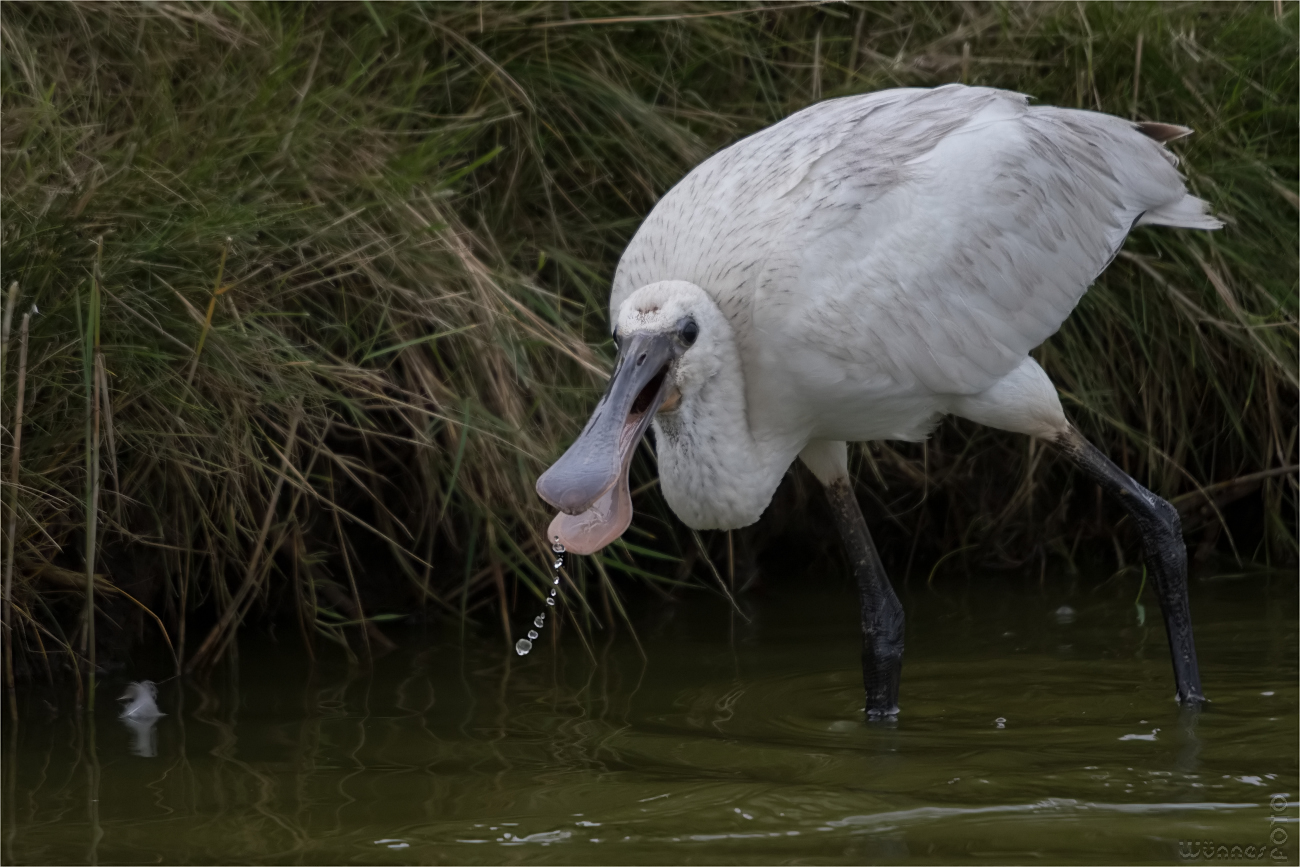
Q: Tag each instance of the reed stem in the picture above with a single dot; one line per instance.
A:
(436, 293)
(4, 332)
(217, 291)
(216, 637)
(93, 364)
(12, 535)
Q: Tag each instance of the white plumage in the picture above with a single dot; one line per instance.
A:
(888, 258)
(926, 239)
(855, 272)
(858, 270)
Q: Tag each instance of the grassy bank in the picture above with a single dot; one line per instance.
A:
(321, 289)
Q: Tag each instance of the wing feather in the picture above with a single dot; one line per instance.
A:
(914, 241)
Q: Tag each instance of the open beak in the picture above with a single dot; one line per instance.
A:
(588, 484)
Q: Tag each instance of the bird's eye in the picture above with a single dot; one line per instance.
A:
(689, 331)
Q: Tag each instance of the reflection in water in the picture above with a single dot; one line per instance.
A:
(1189, 745)
(144, 738)
(713, 747)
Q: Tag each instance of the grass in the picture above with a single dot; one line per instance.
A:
(324, 287)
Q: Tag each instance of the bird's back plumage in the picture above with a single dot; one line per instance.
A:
(905, 244)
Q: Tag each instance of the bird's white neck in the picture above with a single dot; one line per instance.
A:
(713, 470)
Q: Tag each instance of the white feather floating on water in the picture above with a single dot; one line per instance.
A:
(140, 714)
(141, 701)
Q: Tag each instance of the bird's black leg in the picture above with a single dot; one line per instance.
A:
(882, 614)
(1166, 556)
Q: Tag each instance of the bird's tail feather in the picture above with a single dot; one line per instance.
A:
(1188, 212)
(1163, 132)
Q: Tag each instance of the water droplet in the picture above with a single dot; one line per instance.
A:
(522, 646)
(540, 620)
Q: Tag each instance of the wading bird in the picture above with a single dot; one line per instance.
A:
(855, 272)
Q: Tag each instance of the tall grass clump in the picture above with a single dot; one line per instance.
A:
(319, 291)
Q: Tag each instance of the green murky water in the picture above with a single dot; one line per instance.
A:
(733, 741)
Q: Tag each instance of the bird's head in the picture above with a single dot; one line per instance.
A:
(667, 334)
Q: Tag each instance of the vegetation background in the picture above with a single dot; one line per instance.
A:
(306, 295)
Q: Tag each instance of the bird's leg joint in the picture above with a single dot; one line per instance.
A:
(1162, 545)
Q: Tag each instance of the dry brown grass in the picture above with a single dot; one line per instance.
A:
(390, 229)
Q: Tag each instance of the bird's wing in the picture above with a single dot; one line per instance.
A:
(915, 241)
(716, 228)
(943, 280)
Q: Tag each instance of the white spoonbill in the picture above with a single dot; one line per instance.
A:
(855, 272)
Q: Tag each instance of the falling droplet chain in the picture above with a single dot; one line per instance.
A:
(523, 645)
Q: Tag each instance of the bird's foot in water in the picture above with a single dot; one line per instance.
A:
(888, 714)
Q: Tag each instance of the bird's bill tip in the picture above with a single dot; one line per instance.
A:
(607, 519)
(588, 484)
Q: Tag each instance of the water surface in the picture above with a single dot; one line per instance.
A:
(1038, 726)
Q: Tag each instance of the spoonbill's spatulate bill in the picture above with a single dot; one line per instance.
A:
(856, 272)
